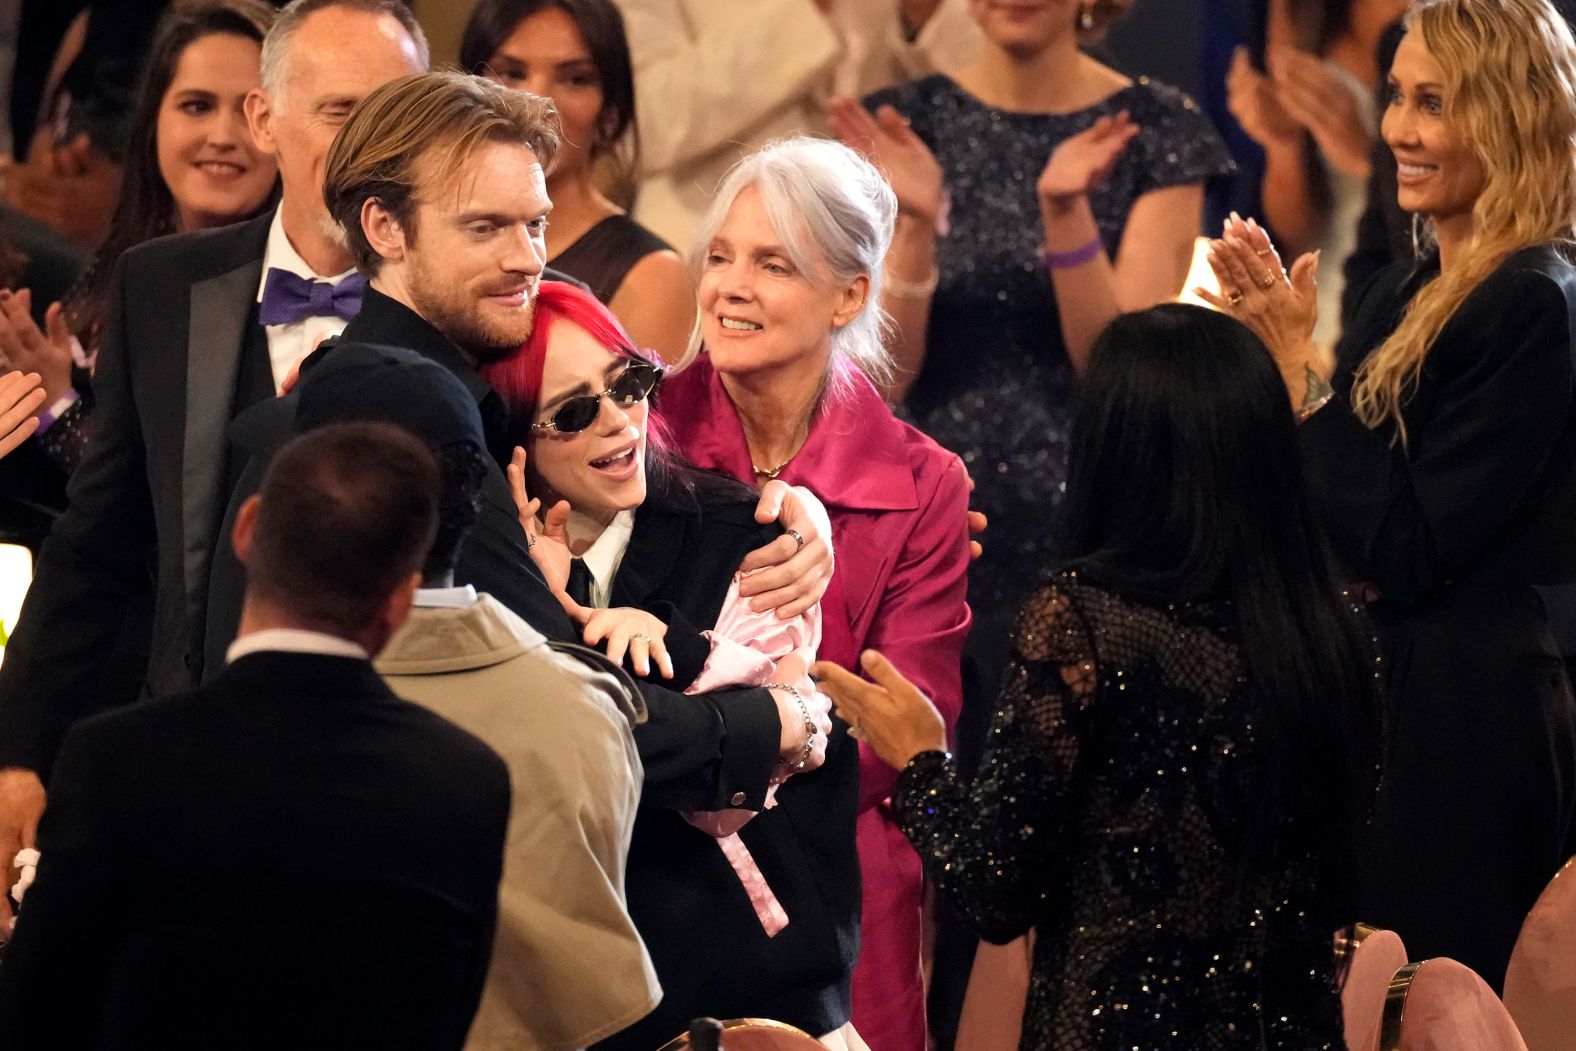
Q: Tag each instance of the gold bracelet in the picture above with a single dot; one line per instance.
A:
(912, 289)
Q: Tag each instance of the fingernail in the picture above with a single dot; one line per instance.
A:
(1236, 218)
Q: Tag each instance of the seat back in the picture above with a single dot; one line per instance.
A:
(1442, 1005)
(1540, 982)
(755, 1034)
(1376, 955)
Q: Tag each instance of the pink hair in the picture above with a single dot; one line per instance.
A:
(518, 378)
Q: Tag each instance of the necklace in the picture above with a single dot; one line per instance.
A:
(772, 473)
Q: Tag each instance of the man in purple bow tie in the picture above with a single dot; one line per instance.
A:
(198, 327)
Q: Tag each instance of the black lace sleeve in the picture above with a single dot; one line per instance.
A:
(990, 844)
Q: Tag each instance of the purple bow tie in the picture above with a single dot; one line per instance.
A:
(288, 298)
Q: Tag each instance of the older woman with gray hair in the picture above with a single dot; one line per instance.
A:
(789, 266)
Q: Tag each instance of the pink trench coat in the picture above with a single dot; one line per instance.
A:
(897, 502)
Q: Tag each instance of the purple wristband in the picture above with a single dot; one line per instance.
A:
(1076, 257)
(47, 418)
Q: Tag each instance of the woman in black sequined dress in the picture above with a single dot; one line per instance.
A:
(1183, 758)
(1036, 146)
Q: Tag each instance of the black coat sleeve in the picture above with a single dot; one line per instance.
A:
(97, 558)
(698, 752)
(1410, 518)
(52, 985)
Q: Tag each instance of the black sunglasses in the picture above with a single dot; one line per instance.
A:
(635, 384)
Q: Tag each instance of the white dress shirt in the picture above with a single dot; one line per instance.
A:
(288, 344)
(293, 640)
(605, 556)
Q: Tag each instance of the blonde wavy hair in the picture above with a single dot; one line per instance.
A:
(1510, 95)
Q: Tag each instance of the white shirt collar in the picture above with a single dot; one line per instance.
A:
(280, 254)
(293, 640)
(605, 555)
(446, 598)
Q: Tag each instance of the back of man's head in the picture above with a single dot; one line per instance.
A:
(348, 513)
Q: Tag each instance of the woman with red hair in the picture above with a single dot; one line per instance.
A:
(643, 551)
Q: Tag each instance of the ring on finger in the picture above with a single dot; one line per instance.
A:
(647, 639)
(1234, 297)
(797, 539)
(530, 542)
(1268, 281)
(1266, 251)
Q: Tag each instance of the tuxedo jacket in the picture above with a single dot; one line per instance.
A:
(182, 352)
(711, 953)
(699, 753)
(290, 856)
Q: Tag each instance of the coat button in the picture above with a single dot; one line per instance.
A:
(738, 799)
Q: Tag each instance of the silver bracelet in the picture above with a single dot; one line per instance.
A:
(912, 289)
(809, 724)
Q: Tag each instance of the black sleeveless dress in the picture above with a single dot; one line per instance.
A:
(605, 254)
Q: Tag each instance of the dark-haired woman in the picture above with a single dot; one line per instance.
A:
(192, 166)
(575, 53)
(1179, 771)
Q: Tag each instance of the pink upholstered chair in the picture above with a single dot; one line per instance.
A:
(992, 1017)
(1540, 983)
(1442, 1005)
(1375, 957)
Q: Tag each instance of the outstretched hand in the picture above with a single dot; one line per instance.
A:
(889, 713)
(1081, 163)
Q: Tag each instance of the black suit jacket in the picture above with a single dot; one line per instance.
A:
(710, 951)
(181, 350)
(290, 856)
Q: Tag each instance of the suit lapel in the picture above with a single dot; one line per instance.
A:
(221, 307)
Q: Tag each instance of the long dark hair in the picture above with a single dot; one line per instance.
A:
(1186, 483)
(146, 209)
(602, 27)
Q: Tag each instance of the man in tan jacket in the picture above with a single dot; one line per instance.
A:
(567, 966)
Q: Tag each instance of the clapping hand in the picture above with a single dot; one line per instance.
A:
(888, 713)
(1315, 96)
(21, 396)
(1082, 162)
(1254, 101)
(26, 347)
(1279, 306)
(887, 141)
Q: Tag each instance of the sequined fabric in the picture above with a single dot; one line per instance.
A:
(1110, 814)
(66, 441)
(996, 387)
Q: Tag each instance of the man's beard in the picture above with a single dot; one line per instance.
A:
(462, 323)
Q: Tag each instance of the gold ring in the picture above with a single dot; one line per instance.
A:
(1233, 297)
(1266, 251)
(647, 639)
(1269, 279)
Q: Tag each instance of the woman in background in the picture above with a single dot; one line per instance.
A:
(1443, 463)
(575, 53)
(1178, 776)
(192, 166)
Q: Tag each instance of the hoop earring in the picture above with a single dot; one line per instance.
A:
(1086, 16)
